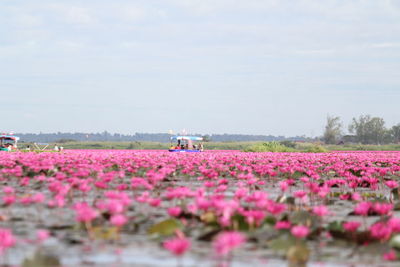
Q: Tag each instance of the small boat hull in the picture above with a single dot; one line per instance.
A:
(184, 150)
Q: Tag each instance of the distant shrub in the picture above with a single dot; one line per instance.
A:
(288, 143)
(269, 147)
(96, 145)
(315, 149)
(362, 148)
(64, 140)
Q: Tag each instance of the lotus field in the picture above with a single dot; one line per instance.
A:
(222, 208)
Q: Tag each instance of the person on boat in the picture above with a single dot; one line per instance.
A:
(201, 148)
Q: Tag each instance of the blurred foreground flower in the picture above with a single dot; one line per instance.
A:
(7, 239)
(177, 246)
(225, 242)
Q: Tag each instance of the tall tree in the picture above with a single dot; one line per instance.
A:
(333, 130)
(368, 130)
(395, 132)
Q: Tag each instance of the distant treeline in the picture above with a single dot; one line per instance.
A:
(147, 137)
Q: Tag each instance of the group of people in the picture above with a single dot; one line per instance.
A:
(58, 148)
(187, 146)
(8, 146)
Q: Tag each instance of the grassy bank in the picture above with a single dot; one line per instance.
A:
(244, 146)
(144, 145)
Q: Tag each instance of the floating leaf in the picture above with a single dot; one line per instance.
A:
(298, 174)
(239, 223)
(166, 227)
(298, 255)
(105, 233)
(208, 217)
(281, 244)
(209, 235)
(335, 226)
(395, 193)
(395, 242)
(304, 217)
(271, 220)
(356, 237)
(355, 172)
(41, 260)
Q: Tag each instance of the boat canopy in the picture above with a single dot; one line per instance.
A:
(9, 137)
(183, 137)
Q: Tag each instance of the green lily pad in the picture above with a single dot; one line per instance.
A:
(41, 260)
(304, 217)
(282, 243)
(166, 227)
(395, 242)
(298, 255)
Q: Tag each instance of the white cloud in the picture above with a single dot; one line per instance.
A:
(385, 45)
(78, 15)
(315, 52)
(73, 14)
(133, 13)
(28, 20)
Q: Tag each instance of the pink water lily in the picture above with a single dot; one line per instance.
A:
(225, 242)
(351, 226)
(7, 239)
(241, 196)
(300, 231)
(177, 246)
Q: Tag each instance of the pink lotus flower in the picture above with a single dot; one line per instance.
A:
(390, 256)
(380, 231)
(84, 213)
(283, 185)
(154, 202)
(7, 239)
(300, 231)
(225, 242)
(300, 194)
(8, 190)
(8, 199)
(118, 220)
(241, 193)
(282, 225)
(174, 211)
(42, 235)
(356, 196)
(177, 246)
(383, 208)
(394, 223)
(320, 211)
(38, 198)
(392, 184)
(362, 208)
(351, 226)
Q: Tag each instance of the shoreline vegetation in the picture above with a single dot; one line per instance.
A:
(253, 146)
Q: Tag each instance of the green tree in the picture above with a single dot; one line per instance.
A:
(369, 130)
(333, 130)
(395, 133)
(206, 138)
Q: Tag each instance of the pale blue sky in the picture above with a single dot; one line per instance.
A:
(209, 66)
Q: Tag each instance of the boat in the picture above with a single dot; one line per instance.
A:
(186, 144)
(8, 142)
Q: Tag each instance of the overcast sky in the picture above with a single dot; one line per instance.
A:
(209, 66)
